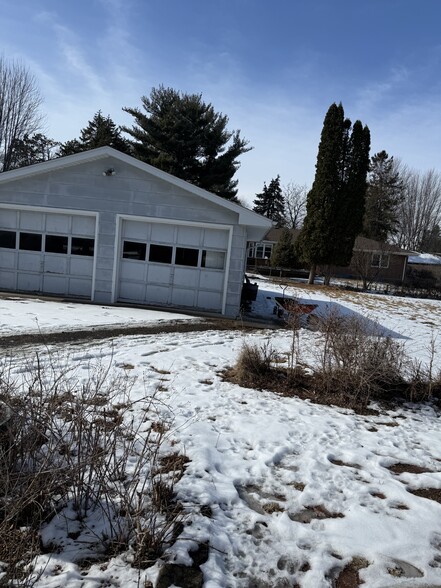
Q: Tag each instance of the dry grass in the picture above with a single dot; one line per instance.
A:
(353, 366)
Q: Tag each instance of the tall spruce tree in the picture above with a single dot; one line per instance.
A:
(101, 131)
(271, 203)
(383, 198)
(335, 203)
(182, 135)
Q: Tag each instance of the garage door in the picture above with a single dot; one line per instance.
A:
(46, 252)
(176, 265)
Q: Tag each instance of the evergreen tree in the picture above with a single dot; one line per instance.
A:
(335, 203)
(270, 202)
(383, 197)
(100, 131)
(32, 149)
(284, 254)
(184, 136)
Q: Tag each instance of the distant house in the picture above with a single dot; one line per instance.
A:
(106, 227)
(372, 261)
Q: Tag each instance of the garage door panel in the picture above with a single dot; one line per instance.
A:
(79, 287)
(189, 236)
(132, 271)
(81, 266)
(30, 262)
(157, 294)
(83, 226)
(8, 280)
(53, 284)
(162, 233)
(55, 264)
(8, 259)
(33, 221)
(209, 300)
(9, 219)
(131, 291)
(216, 238)
(29, 282)
(211, 280)
(186, 277)
(136, 230)
(183, 297)
(58, 223)
(159, 274)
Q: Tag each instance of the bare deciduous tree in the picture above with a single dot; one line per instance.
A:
(20, 101)
(420, 210)
(295, 204)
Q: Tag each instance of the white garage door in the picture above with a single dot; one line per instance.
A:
(176, 265)
(46, 252)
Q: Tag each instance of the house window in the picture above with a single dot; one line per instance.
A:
(7, 239)
(260, 250)
(213, 259)
(161, 253)
(30, 242)
(55, 244)
(187, 256)
(251, 249)
(134, 250)
(380, 260)
(82, 246)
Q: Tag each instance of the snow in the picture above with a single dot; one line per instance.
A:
(21, 315)
(251, 450)
(425, 258)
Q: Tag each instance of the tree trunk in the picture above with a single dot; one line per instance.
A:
(312, 274)
(327, 276)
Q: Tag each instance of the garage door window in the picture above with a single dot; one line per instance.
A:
(187, 256)
(161, 253)
(55, 244)
(7, 239)
(213, 259)
(134, 250)
(81, 246)
(30, 242)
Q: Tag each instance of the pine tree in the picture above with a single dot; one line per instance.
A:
(284, 254)
(100, 132)
(32, 149)
(184, 136)
(383, 197)
(270, 202)
(335, 203)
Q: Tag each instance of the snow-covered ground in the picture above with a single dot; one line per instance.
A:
(21, 315)
(273, 469)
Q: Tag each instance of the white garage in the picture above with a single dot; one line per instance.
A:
(106, 227)
(47, 252)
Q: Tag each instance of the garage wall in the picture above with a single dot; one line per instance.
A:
(129, 192)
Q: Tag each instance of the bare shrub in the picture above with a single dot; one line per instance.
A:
(74, 444)
(357, 362)
(254, 365)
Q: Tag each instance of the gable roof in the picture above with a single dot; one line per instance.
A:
(246, 216)
(361, 243)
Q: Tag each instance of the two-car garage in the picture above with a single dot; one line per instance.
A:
(106, 227)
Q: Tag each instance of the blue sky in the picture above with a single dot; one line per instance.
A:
(273, 68)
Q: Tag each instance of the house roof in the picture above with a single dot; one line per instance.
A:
(425, 259)
(246, 217)
(361, 243)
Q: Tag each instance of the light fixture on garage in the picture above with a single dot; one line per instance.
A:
(109, 172)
